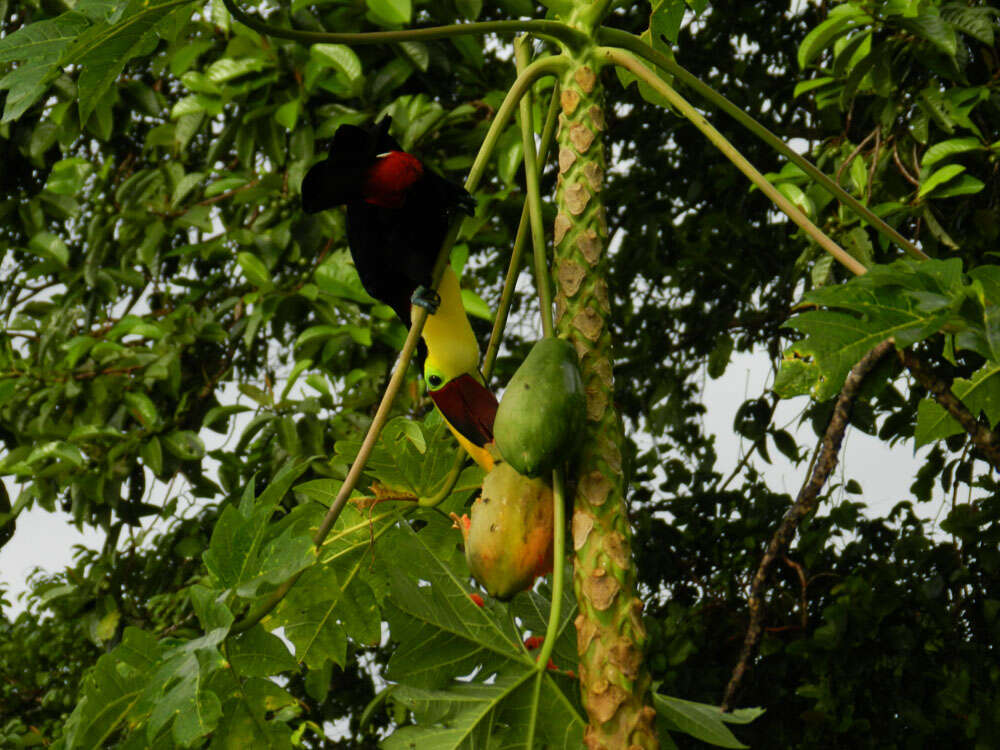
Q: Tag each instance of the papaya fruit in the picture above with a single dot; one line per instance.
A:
(508, 539)
(541, 415)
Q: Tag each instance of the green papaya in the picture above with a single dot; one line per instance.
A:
(508, 539)
(542, 412)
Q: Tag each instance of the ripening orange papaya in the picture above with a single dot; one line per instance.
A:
(508, 539)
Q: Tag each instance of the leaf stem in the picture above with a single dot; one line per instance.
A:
(633, 44)
(521, 56)
(626, 60)
(558, 566)
(514, 269)
(554, 30)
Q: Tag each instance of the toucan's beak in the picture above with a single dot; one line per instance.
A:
(469, 406)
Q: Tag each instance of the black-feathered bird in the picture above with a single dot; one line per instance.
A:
(398, 212)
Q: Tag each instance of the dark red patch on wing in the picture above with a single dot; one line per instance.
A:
(469, 406)
(388, 179)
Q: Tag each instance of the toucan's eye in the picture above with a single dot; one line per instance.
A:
(435, 381)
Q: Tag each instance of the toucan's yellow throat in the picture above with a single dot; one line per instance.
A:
(452, 373)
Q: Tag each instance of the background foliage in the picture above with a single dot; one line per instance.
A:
(178, 336)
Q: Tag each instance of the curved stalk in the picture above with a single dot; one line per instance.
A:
(521, 54)
(555, 610)
(457, 462)
(631, 43)
(558, 565)
(500, 322)
(626, 60)
(548, 65)
(554, 30)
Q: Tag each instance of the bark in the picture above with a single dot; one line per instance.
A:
(614, 681)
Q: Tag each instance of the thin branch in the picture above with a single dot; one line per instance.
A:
(902, 170)
(852, 156)
(871, 170)
(986, 441)
(626, 60)
(804, 504)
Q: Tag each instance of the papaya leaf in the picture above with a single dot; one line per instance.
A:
(251, 712)
(112, 689)
(233, 555)
(441, 632)
(103, 49)
(835, 341)
(452, 718)
(404, 462)
(257, 653)
(39, 47)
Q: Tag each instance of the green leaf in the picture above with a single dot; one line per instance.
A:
(226, 69)
(48, 245)
(390, 13)
(257, 653)
(287, 115)
(399, 465)
(112, 689)
(68, 175)
(929, 25)
(308, 616)
(279, 560)
(186, 184)
(255, 270)
(699, 720)
(975, 22)
(338, 277)
(886, 302)
(40, 47)
(463, 712)
(476, 306)
(470, 9)
(104, 49)
(842, 19)
(949, 148)
(340, 57)
(981, 394)
(964, 185)
(803, 87)
(233, 552)
(184, 444)
(938, 178)
(142, 408)
(665, 19)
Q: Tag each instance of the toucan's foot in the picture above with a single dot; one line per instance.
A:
(426, 298)
(467, 204)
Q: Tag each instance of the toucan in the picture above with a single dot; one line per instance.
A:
(398, 212)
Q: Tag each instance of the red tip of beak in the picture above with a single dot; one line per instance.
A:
(469, 406)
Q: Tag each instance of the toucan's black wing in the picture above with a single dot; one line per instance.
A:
(371, 234)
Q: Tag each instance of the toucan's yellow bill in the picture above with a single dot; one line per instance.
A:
(469, 408)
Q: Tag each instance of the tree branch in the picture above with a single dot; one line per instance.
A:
(804, 504)
(983, 438)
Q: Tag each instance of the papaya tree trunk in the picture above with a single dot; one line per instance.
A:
(610, 634)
